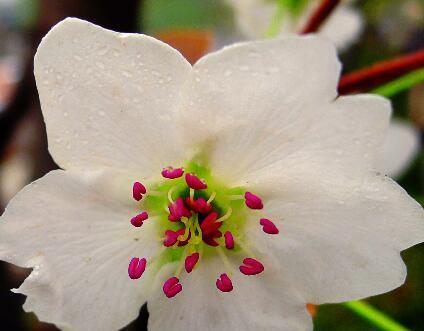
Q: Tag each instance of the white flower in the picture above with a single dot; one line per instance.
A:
(263, 117)
(254, 18)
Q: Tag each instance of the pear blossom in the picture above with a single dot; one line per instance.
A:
(227, 195)
(254, 18)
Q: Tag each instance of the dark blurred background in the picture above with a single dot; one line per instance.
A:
(391, 27)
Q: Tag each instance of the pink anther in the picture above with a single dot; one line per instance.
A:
(253, 201)
(136, 267)
(138, 220)
(172, 287)
(178, 210)
(251, 267)
(171, 237)
(224, 284)
(268, 226)
(199, 205)
(209, 225)
(210, 239)
(172, 173)
(138, 191)
(229, 240)
(191, 261)
(194, 182)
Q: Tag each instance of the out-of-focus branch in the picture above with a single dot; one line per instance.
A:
(380, 73)
(319, 16)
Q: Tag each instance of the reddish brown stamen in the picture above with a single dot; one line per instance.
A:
(191, 261)
(138, 191)
(138, 220)
(268, 226)
(178, 210)
(253, 201)
(136, 268)
(172, 173)
(172, 287)
(251, 267)
(224, 284)
(229, 240)
(194, 182)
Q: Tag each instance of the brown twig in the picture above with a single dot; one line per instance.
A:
(380, 73)
(319, 16)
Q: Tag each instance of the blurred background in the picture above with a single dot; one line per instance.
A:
(387, 28)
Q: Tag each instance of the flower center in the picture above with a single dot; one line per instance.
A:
(196, 217)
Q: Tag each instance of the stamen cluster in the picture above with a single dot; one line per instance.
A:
(199, 224)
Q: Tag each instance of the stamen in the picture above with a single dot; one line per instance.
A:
(253, 201)
(210, 224)
(194, 182)
(172, 287)
(225, 260)
(251, 267)
(226, 216)
(191, 261)
(172, 173)
(224, 284)
(187, 223)
(213, 195)
(178, 210)
(235, 197)
(171, 237)
(136, 267)
(171, 190)
(268, 226)
(138, 191)
(229, 240)
(199, 205)
(138, 220)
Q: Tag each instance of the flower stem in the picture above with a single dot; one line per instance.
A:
(374, 316)
(381, 73)
(277, 18)
(319, 16)
(401, 84)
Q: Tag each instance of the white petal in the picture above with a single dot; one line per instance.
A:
(109, 99)
(79, 241)
(400, 147)
(251, 97)
(262, 302)
(343, 27)
(340, 139)
(341, 241)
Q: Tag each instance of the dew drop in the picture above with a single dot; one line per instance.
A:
(127, 74)
(101, 113)
(227, 73)
(244, 68)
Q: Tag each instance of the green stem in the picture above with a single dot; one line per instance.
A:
(401, 84)
(275, 26)
(374, 316)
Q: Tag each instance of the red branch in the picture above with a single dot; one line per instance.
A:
(380, 73)
(319, 16)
